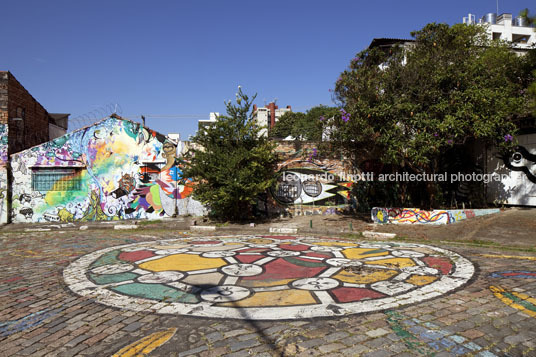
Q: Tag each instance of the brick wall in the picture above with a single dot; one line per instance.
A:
(3, 97)
(33, 129)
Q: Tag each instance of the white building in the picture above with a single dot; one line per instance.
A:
(212, 119)
(515, 30)
(269, 115)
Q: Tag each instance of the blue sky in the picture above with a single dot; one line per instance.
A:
(182, 59)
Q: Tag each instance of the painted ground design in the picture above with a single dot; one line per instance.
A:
(266, 277)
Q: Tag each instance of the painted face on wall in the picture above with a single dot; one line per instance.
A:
(524, 161)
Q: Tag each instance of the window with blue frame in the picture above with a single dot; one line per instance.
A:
(56, 179)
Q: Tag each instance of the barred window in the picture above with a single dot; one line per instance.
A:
(55, 179)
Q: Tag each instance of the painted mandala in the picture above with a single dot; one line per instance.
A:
(266, 277)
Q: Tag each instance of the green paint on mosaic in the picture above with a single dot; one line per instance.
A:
(112, 278)
(156, 292)
(375, 251)
(302, 263)
(409, 339)
(526, 304)
(107, 258)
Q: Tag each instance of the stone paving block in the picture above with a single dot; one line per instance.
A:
(236, 333)
(237, 346)
(75, 341)
(378, 332)
(472, 334)
(380, 353)
(331, 347)
(31, 349)
(249, 336)
(336, 336)
(311, 343)
(133, 326)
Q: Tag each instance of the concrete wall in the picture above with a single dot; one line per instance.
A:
(519, 185)
(124, 171)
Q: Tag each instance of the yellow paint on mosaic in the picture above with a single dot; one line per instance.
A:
(359, 253)
(393, 262)
(366, 277)
(500, 294)
(275, 298)
(147, 344)
(340, 244)
(507, 256)
(420, 280)
(183, 262)
(260, 241)
(265, 283)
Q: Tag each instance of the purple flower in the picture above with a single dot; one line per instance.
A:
(436, 135)
(314, 152)
(508, 138)
(322, 118)
(345, 116)
(449, 141)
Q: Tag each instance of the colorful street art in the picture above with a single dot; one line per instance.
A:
(266, 277)
(147, 344)
(307, 185)
(517, 172)
(114, 169)
(3, 144)
(418, 216)
(34, 319)
(515, 274)
(426, 338)
(3, 173)
(518, 301)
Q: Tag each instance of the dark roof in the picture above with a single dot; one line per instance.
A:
(388, 42)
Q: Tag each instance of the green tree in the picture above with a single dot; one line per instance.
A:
(230, 163)
(409, 106)
(304, 126)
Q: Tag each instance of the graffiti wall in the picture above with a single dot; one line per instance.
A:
(3, 173)
(519, 186)
(114, 169)
(418, 216)
(307, 184)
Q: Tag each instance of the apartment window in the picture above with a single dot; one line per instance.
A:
(55, 179)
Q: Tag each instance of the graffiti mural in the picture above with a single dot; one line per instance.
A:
(418, 216)
(114, 169)
(307, 184)
(517, 184)
(3, 173)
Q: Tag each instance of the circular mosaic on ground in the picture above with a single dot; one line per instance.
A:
(266, 277)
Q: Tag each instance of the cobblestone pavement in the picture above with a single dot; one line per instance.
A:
(493, 315)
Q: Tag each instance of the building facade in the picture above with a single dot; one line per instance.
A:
(269, 115)
(23, 123)
(514, 30)
(115, 169)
